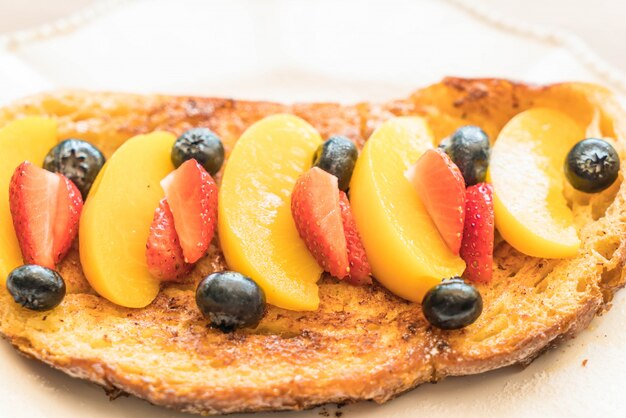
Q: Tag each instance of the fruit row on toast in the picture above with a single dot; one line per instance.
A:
(420, 218)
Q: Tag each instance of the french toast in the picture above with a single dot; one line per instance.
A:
(363, 343)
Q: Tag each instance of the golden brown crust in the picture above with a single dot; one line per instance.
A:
(363, 343)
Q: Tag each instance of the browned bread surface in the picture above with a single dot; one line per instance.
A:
(363, 342)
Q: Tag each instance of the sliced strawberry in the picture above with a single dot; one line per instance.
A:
(192, 197)
(478, 235)
(32, 192)
(317, 214)
(441, 188)
(163, 252)
(69, 208)
(45, 208)
(360, 269)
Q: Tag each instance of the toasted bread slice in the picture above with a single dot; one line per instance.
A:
(363, 342)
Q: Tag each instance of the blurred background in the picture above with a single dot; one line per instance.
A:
(298, 50)
(599, 23)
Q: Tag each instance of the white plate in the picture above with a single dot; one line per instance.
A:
(303, 51)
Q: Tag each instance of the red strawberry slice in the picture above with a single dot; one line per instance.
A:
(441, 188)
(317, 214)
(478, 235)
(45, 208)
(163, 252)
(69, 207)
(32, 192)
(360, 269)
(192, 196)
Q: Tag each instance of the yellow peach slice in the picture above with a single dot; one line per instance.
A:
(116, 218)
(526, 171)
(404, 247)
(27, 139)
(257, 232)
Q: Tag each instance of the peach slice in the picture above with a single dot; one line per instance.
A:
(257, 232)
(405, 250)
(116, 218)
(27, 139)
(526, 171)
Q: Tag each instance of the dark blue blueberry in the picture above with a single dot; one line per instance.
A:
(453, 304)
(77, 160)
(468, 148)
(200, 144)
(337, 156)
(230, 300)
(592, 165)
(35, 287)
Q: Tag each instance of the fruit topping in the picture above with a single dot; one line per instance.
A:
(192, 197)
(453, 304)
(404, 248)
(317, 214)
(324, 221)
(360, 269)
(468, 147)
(526, 171)
(33, 194)
(230, 300)
(441, 188)
(478, 234)
(69, 208)
(337, 156)
(35, 287)
(202, 145)
(257, 233)
(163, 252)
(115, 223)
(45, 208)
(27, 139)
(592, 165)
(77, 160)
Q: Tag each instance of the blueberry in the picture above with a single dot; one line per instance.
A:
(35, 287)
(453, 304)
(77, 160)
(230, 300)
(202, 145)
(468, 148)
(337, 156)
(592, 165)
